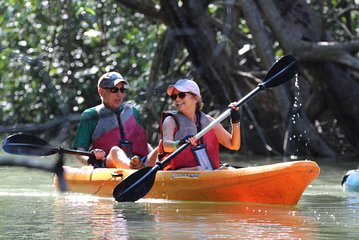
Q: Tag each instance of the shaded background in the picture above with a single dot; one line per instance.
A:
(52, 54)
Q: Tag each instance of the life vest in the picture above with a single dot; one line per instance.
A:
(184, 128)
(108, 130)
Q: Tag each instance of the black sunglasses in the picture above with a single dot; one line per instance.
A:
(180, 95)
(116, 89)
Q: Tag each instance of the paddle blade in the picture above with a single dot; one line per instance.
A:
(25, 144)
(136, 185)
(282, 71)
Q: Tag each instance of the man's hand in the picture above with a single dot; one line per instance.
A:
(136, 163)
(99, 154)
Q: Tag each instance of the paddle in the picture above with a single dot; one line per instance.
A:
(138, 184)
(25, 144)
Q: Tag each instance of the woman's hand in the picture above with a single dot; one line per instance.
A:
(234, 112)
(188, 139)
(233, 105)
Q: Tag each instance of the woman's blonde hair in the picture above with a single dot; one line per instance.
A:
(199, 104)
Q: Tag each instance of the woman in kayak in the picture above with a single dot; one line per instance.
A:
(178, 127)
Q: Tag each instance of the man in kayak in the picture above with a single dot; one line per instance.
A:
(113, 131)
(181, 125)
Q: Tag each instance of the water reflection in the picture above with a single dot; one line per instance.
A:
(150, 219)
(31, 208)
(336, 215)
(210, 220)
(84, 216)
(233, 221)
(100, 218)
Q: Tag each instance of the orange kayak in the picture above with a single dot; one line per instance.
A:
(280, 183)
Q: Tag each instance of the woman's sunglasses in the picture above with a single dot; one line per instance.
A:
(116, 89)
(180, 95)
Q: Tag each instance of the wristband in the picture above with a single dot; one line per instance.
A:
(176, 143)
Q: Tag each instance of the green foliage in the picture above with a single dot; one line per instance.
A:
(53, 52)
(341, 17)
(73, 45)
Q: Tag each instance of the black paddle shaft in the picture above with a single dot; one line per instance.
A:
(138, 184)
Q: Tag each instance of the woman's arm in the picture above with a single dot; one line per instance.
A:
(168, 129)
(231, 140)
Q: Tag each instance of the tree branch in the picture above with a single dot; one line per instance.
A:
(329, 51)
(148, 8)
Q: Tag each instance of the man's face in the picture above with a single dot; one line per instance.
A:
(112, 97)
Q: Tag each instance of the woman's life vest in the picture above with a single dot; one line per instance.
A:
(184, 128)
(112, 128)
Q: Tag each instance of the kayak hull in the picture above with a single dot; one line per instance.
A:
(281, 183)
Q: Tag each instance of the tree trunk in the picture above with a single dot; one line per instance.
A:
(299, 31)
(191, 25)
(286, 22)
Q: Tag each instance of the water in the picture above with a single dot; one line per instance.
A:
(30, 208)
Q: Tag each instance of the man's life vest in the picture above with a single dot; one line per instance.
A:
(111, 128)
(184, 128)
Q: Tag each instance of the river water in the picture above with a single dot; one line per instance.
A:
(30, 208)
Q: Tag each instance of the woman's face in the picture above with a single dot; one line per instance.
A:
(183, 101)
